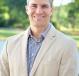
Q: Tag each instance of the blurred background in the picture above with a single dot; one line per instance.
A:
(14, 20)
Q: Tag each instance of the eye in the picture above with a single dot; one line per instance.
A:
(34, 6)
(45, 6)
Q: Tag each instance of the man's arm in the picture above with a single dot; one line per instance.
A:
(68, 65)
(4, 64)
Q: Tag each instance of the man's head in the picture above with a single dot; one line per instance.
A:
(39, 12)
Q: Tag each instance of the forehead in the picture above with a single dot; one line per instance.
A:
(38, 2)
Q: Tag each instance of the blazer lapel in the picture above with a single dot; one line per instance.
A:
(24, 51)
(50, 38)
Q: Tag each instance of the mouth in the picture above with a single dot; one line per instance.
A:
(39, 18)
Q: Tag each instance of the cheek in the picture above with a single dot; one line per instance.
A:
(29, 11)
(48, 12)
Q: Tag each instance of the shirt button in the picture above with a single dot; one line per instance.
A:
(32, 54)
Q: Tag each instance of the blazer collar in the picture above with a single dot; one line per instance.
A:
(24, 50)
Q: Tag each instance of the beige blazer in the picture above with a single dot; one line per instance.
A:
(56, 57)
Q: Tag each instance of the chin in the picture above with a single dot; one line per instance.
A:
(39, 25)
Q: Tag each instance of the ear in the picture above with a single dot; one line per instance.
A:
(51, 11)
(26, 8)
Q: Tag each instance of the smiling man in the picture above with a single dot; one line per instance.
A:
(39, 13)
(41, 50)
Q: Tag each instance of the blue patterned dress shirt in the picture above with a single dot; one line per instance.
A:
(33, 47)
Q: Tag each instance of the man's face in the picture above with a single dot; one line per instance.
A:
(39, 12)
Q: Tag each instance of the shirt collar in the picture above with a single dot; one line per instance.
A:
(43, 34)
(46, 31)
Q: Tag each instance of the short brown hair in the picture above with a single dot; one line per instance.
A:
(51, 2)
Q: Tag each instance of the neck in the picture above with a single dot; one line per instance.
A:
(36, 31)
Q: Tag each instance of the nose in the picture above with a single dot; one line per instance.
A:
(39, 10)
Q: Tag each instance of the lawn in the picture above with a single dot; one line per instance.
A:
(4, 33)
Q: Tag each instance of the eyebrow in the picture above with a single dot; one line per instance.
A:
(41, 4)
(33, 4)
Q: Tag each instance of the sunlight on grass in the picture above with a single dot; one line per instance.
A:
(4, 33)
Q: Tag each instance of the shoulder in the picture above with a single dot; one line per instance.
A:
(14, 41)
(65, 39)
(15, 38)
(66, 43)
(61, 39)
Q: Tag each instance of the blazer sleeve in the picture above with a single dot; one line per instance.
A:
(4, 63)
(68, 65)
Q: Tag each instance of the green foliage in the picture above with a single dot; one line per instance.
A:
(67, 15)
(73, 14)
(4, 16)
(15, 16)
(17, 13)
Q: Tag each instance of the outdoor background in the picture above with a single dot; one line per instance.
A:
(14, 20)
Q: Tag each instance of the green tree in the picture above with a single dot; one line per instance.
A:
(67, 15)
(18, 17)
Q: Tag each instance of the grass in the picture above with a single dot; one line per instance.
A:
(4, 33)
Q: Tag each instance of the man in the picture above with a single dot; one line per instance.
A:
(41, 50)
